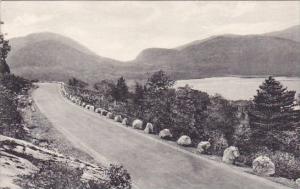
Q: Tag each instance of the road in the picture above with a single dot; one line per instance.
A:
(152, 164)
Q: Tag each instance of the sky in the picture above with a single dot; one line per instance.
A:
(120, 30)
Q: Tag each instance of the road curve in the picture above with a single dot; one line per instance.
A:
(152, 164)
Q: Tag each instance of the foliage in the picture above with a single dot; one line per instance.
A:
(14, 83)
(119, 178)
(189, 112)
(159, 81)
(77, 83)
(272, 113)
(59, 176)
(120, 90)
(4, 49)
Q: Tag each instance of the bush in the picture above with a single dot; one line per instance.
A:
(59, 176)
(119, 178)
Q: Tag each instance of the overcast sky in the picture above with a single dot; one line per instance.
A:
(120, 30)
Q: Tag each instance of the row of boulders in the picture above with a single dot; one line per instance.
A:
(262, 165)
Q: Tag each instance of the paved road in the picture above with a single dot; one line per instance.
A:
(152, 164)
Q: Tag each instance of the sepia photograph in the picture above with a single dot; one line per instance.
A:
(149, 94)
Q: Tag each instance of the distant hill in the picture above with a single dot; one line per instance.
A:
(224, 55)
(292, 33)
(49, 56)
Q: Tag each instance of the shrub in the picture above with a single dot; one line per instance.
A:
(119, 178)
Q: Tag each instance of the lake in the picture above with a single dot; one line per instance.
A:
(236, 88)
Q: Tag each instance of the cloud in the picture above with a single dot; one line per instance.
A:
(30, 19)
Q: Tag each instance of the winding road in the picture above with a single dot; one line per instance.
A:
(153, 164)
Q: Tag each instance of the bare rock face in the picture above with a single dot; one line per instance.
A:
(165, 134)
(137, 124)
(230, 154)
(263, 165)
(110, 115)
(118, 118)
(184, 140)
(149, 128)
(203, 147)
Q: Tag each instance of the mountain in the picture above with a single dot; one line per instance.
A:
(224, 55)
(49, 56)
(292, 33)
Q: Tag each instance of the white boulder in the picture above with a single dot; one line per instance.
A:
(263, 165)
(98, 110)
(230, 154)
(298, 182)
(118, 118)
(149, 128)
(165, 134)
(110, 115)
(92, 108)
(184, 140)
(137, 124)
(125, 121)
(203, 146)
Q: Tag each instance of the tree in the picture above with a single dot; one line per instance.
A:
(77, 83)
(4, 49)
(120, 91)
(159, 81)
(189, 112)
(272, 114)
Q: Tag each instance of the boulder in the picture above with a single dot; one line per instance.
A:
(98, 110)
(230, 154)
(149, 128)
(184, 140)
(83, 104)
(203, 147)
(110, 115)
(165, 134)
(125, 121)
(92, 108)
(87, 106)
(118, 118)
(263, 165)
(103, 112)
(298, 182)
(137, 124)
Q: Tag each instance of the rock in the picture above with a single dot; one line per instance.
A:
(92, 108)
(203, 146)
(110, 115)
(263, 165)
(230, 154)
(125, 121)
(184, 140)
(103, 112)
(83, 104)
(165, 134)
(298, 182)
(149, 128)
(98, 110)
(87, 106)
(137, 124)
(118, 118)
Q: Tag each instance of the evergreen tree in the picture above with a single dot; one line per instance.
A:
(273, 113)
(4, 49)
(120, 91)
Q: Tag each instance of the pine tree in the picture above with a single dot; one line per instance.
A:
(120, 91)
(273, 113)
(4, 49)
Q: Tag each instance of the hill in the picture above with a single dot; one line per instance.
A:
(224, 55)
(292, 33)
(49, 56)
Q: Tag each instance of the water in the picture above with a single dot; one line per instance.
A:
(236, 88)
